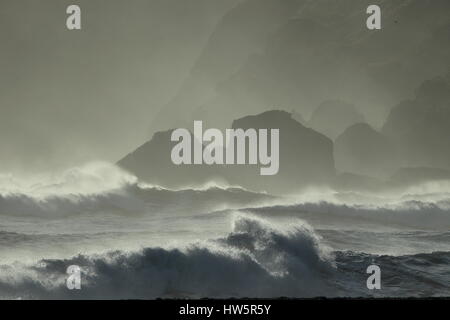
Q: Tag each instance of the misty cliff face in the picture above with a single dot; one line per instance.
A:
(332, 117)
(362, 150)
(420, 128)
(240, 34)
(305, 158)
(297, 54)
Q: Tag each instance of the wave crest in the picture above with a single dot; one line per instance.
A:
(256, 260)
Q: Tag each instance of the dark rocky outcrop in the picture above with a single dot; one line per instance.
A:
(305, 157)
(152, 163)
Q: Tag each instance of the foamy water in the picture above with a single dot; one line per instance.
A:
(140, 241)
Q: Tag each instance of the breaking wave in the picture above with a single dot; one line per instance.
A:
(262, 256)
(410, 213)
(256, 259)
(103, 187)
(91, 179)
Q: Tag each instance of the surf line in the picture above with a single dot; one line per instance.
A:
(210, 147)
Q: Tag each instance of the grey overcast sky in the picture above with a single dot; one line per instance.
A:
(72, 96)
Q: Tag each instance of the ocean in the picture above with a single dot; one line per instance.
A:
(138, 241)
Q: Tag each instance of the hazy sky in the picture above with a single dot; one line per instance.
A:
(70, 96)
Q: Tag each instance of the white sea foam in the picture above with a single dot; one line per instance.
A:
(256, 259)
(265, 254)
